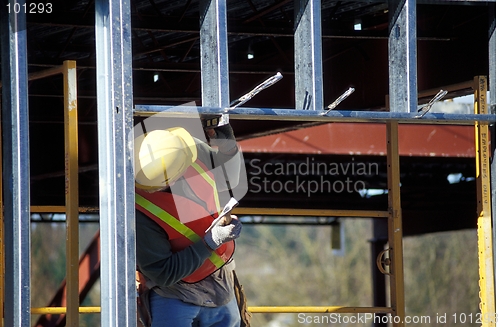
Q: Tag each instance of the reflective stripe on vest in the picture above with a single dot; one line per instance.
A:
(210, 181)
(179, 227)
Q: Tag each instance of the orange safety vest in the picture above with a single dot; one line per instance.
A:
(162, 208)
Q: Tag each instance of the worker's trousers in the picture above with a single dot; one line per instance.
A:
(167, 312)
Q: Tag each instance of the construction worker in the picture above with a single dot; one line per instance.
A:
(189, 272)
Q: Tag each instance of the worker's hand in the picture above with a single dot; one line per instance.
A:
(221, 234)
(223, 138)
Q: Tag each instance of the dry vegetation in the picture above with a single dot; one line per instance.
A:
(294, 265)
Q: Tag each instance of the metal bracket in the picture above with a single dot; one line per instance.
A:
(217, 121)
(338, 101)
(426, 107)
(386, 262)
(264, 85)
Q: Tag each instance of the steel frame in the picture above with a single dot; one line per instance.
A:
(315, 116)
(16, 187)
(308, 55)
(403, 100)
(116, 196)
(403, 55)
(114, 76)
(213, 53)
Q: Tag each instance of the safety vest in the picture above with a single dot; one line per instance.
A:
(164, 207)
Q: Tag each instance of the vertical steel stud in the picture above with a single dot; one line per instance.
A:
(116, 180)
(403, 56)
(16, 186)
(308, 57)
(213, 54)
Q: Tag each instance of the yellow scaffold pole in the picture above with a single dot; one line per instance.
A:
(62, 310)
(71, 170)
(318, 309)
(395, 224)
(484, 222)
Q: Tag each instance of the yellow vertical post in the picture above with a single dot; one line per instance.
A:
(484, 222)
(71, 185)
(395, 226)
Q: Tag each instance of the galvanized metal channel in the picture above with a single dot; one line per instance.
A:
(116, 180)
(403, 93)
(315, 116)
(16, 176)
(308, 55)
(213, 53)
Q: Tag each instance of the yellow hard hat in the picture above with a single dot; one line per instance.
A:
(162, 156)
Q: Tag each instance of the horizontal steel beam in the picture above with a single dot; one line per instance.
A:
(310, 115)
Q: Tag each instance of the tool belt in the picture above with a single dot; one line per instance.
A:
(144, 313)
(143, 310)
(241, 299)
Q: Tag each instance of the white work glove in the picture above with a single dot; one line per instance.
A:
(223, 138)
(221, 234)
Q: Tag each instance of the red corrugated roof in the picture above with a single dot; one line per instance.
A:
(369, 139)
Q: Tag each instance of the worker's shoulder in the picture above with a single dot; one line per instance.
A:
(201, 143)
(203, 149)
